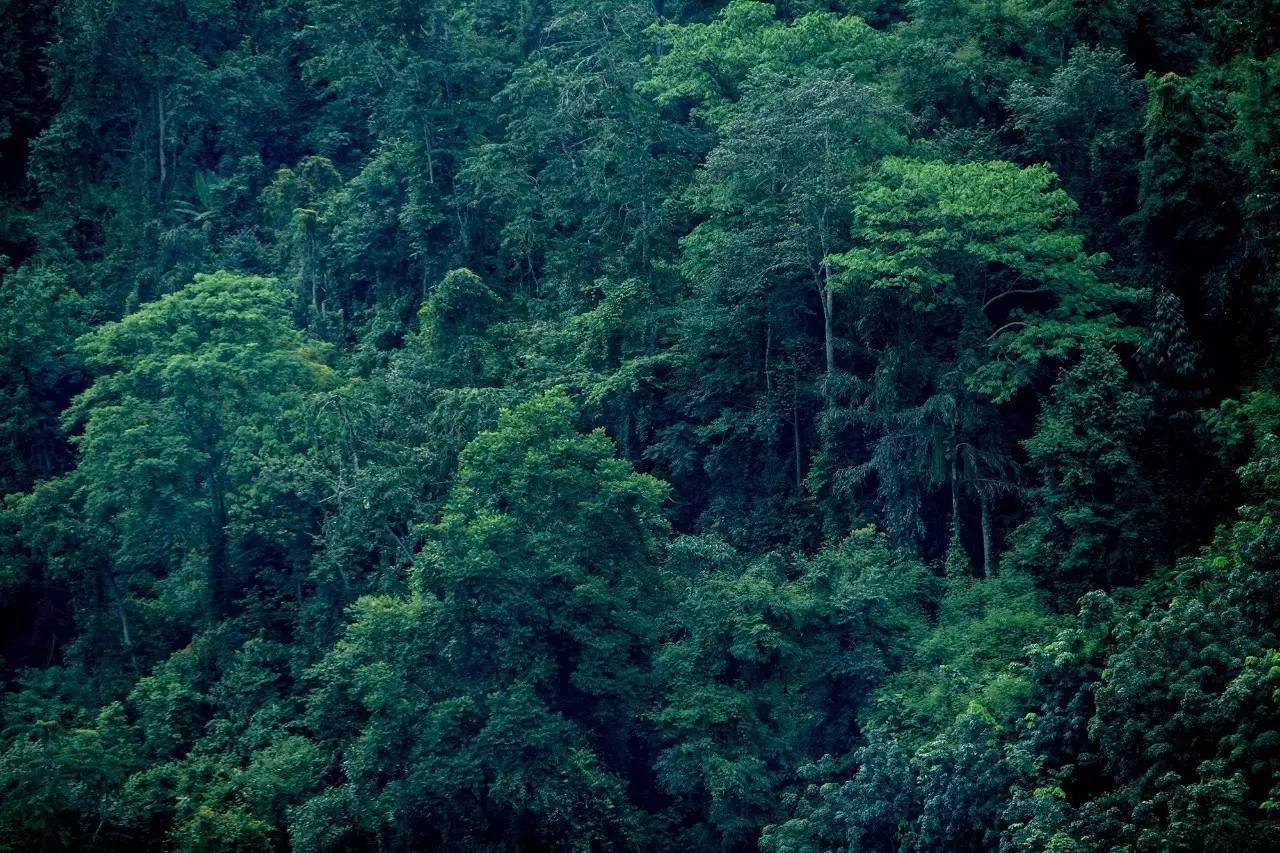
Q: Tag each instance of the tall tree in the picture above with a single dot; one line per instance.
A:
(195, 394)
(969, 281)
(507, 682)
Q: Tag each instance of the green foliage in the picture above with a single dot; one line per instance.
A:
(41, 318)
(771, 664)
(712, 65)
(998, 289)
(947, 242)
(1085, 122)
(655, 425)
(1093, 506)
(195, 393)
(61, 766)
(504, 682)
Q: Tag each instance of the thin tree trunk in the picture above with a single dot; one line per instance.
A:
(828, 322)
(315, 291)
(125, 635)
(217, 547)
(955, 497)
(431, 159)
(825, 292)
(160, 137)
(988, 557)
(768, 349)
(795, 433)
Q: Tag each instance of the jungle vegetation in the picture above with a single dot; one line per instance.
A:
(484, 425)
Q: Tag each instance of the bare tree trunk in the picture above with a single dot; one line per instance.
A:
(828, 322)
(624, 433)
(216, 578)
(988, 557)
(825, 292)
(768, 350)
(431, 159)
(795, 432)
(955, 496)
(160, 137)
(125, 636)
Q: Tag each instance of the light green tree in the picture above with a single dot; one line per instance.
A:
(971, 286)
(195, 395)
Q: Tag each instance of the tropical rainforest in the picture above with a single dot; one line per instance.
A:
(488, 425)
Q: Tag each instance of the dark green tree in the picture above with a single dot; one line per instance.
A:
(507, 682)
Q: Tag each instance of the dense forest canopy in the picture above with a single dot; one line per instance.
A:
(575, 425)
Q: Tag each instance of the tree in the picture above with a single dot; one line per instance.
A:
(42, 317)
(969, 282)
(194, 395)
(508, 681)
(1091, 506)
(930, 772)
(770, 667)
(63, 763)
(798, 117)
(1086, 122)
